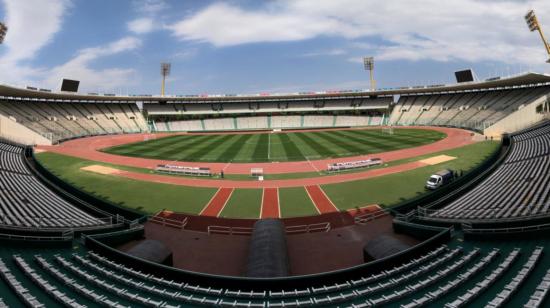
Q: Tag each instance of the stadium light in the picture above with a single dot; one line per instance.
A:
(533, 25)
(368, 63)
(164, 71)
(3, 31)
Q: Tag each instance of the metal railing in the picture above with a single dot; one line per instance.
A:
(229, 230)
(311, 228)
(64, 237)
(318, 227)
(178, 224)
(467, 228)
(364, 218)
(46, 222)
(427, 214)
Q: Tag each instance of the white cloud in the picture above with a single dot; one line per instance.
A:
(331, 52)
(141, 25)
(470, 30)
(225, 25)
(150, 6)
(185, 54)
(80, 67)
(32, 25)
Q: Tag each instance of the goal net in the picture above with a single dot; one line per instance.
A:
(388, 130)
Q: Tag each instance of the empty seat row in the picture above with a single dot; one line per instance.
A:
(109, 287)
(517, 188)
(79, 288)
(45, 285)
(22, 292)
(537, 298)
(27, 202)
(451, 285)
(416, 266)
(512, 287)
(486, 283)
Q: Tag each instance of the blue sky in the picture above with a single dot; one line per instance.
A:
(264, 46)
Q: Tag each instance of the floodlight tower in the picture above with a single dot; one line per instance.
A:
(369, 66)
(164, 71)
(533, 24)
(3, 30)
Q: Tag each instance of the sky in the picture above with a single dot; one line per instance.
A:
(250, 46)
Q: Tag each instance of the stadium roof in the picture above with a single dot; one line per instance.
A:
(514, 81)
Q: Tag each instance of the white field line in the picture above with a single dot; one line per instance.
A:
(269, 146)
(312, 165)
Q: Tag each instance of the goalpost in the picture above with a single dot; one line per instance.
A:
(387, 130)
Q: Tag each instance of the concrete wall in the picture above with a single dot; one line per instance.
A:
(13, 131)
(523, 118)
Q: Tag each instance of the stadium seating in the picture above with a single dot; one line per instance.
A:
(518, 188)
(58, 121)
(265, 122)
(426, 279)
(26, 202)
(476, 110)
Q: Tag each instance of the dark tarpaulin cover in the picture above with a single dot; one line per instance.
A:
(267, 255)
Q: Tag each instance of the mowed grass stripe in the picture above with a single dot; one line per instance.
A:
(295, 202)
(207, 147)
(260, 151)
(292, 152)
(366, 146)
(307, 151)
(219, 148)
(369, 145)
(400, 141)
(178, 150)
(247, 149)
(385, 139)
(318, 147)
(139, 146)
(276, 149)
(244, 203)
(345, 145)
(174, 147)
(233, 150)
(282, 147)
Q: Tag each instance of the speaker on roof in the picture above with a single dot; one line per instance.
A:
(69, 85)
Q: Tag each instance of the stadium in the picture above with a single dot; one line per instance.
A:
(414, 196)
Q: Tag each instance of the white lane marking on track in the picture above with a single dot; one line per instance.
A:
(312, 165)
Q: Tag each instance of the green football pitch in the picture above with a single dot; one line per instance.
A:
(276, 147)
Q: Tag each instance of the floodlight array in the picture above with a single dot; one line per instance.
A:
(531, 20)
(165, 69)
(3, 31)
(369, 63)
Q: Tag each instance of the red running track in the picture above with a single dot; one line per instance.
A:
(320, 199)
(88, 148)
(217, 203)
(270, 203)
